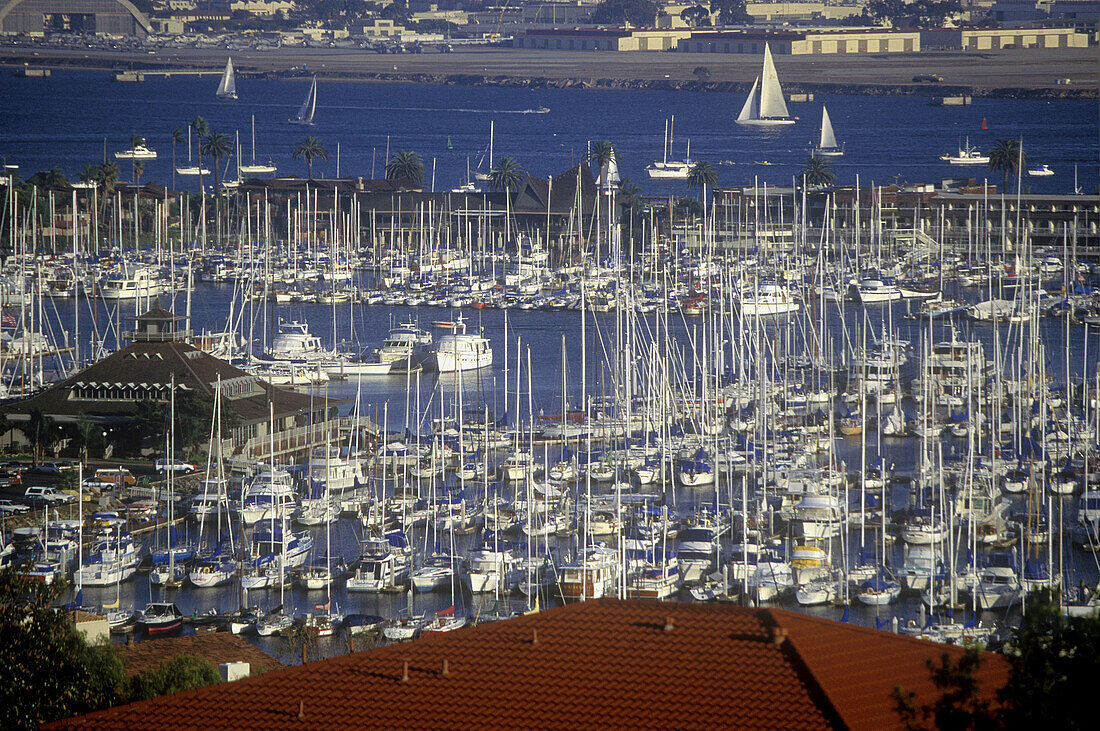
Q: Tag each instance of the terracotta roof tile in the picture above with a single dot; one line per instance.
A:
(607, 663)
(217, 647)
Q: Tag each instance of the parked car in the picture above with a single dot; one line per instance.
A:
(10, 507)
(115, 476)
(41, 495)
(175, 465)
(9, 478)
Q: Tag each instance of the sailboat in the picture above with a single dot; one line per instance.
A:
(254, 168)
(483, 170)
(665, 168)
(227, 87)
(309, 106)
(827, 146)
(765, 106)
(190, 169)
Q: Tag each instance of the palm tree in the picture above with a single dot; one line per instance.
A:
(106, 177)
(177, 136)
(1008, 157)
(136, 140)
(817, 172)
(139, 169)
(702, 175)
(311, 149)
(602, 153)
(201, 129)
(217, 146)
(39, 431)
(507, 175)
(88, 174)
(407, 165)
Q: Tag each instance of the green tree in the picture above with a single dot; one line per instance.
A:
(40, 432)
(218, 147)
(958, 704)
(506, 175)
(912, 13)
(47, 670)
(86, 436)
(183, 672)
(194, 414)
(641, 13)
(201, 129)
(696, 16)
(139, 170)
(177, 136)
(1055, 661)
(405, 165)
(702, 175)
(730, 12)
(817, 172)
(602, 152)
(1008, 157)
(311, 149)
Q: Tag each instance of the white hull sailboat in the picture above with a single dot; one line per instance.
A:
(765, 106)
(227, 87)
(309, 106)
(827, 145)
(670, 169)
(254, 168)
(190, 169)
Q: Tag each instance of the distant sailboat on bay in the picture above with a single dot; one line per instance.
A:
(309, 106)
(227, 87)
(827, 145)
(765, 106)
(255, 168)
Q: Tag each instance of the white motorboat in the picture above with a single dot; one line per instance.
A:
(765, 106)
(766, 299)
(137, 152)
(293, 341)
(460, 351)
(967, 155)
(405, 346)
(592, 575)
(1040, 171)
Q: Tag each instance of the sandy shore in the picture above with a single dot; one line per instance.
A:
(1000, 73)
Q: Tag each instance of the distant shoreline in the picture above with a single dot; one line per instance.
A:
(1031, 74)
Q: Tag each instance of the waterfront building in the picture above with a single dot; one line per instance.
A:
(112, 391)
(95, 17)
(620, 664)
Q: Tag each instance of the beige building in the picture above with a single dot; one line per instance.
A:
(601, 39)
(263, 7)
(798, 43)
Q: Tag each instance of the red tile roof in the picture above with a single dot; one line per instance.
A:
(636, 664)
(217, 647)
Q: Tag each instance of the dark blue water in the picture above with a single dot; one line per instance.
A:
(63, 120)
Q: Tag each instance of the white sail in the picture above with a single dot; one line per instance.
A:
(828, 139)
(772, 105)
(309, 106)
(227, 87)
(751, 110)
(611, 179)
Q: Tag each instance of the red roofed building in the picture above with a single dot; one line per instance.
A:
(616, 664)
